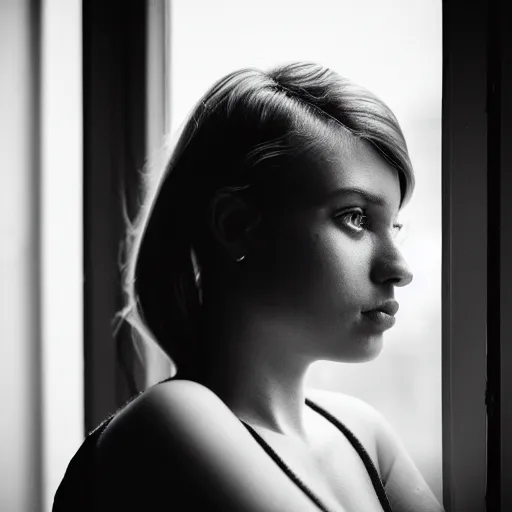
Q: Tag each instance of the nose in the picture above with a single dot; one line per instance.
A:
(390, 267)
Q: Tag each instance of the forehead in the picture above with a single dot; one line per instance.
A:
(353, 163)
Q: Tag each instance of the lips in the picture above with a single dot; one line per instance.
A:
(390, 307)
(383, 315)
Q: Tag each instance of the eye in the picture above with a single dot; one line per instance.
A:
(355, 219)
(399, 234)
(397, 229)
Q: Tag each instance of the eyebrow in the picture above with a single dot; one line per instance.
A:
(368, 196)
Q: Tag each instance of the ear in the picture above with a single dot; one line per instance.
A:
(231, 223)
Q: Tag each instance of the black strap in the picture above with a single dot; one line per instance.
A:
(285, 468)
(370, 467)
(75, 492)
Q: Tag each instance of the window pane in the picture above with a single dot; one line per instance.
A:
(395, 49)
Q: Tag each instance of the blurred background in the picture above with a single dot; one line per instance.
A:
(395, 49)
(89, 94)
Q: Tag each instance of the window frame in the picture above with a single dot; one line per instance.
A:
(464, 254)
(500, 352)
(471, 449)
(504, 431)
(114, 102)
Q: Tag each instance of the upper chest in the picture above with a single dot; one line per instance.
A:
(328, 464)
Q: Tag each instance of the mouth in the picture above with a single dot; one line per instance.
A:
(383, 315)
(381, 319)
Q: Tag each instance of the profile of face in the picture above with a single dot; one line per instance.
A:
(327, 254)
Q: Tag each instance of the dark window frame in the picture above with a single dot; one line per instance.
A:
(500, 248)
(114, 93)
(464, 274)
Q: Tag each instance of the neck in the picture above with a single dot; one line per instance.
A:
(256, 372)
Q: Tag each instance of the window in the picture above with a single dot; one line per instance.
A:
(61, 235)
(395, 49)
(455, 347)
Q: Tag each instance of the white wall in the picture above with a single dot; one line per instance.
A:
(41, 351)
(61, 239)
(20, 436)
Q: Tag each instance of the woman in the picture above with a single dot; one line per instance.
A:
(267, 245)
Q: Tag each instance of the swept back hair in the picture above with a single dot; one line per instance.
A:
(249, 125)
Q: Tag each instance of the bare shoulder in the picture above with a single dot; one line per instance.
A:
(170, 416)
(366, 422)
(179, 441)
(363, 420)
(158, 407)
(177, 399)
(405, 486)
(357, 415)
(163, 441)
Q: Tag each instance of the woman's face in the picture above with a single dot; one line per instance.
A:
(329, 255)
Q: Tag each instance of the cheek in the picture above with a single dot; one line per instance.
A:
(320, 270)
(340, 267)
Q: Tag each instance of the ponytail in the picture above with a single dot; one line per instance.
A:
(160, 276)
(165, 279)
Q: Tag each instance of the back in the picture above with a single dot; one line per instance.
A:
(76, 490)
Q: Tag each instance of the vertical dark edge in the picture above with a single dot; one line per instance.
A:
(464, 323)
(99, 397)
(504, 25)
(86, 43)
(493, 399)
(445, 272)
(131, 86)
(114, 74)
(36, 32)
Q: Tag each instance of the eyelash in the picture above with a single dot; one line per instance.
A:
(364, 218)
(365, 222)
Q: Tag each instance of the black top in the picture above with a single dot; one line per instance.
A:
(74, 491)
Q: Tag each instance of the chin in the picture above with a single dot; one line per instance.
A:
(372, 349)
(362, 351)
(366, 358)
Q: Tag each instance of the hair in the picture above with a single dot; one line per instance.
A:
(242, 134)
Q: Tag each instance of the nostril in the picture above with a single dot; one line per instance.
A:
(406, 279)
(392, 272)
